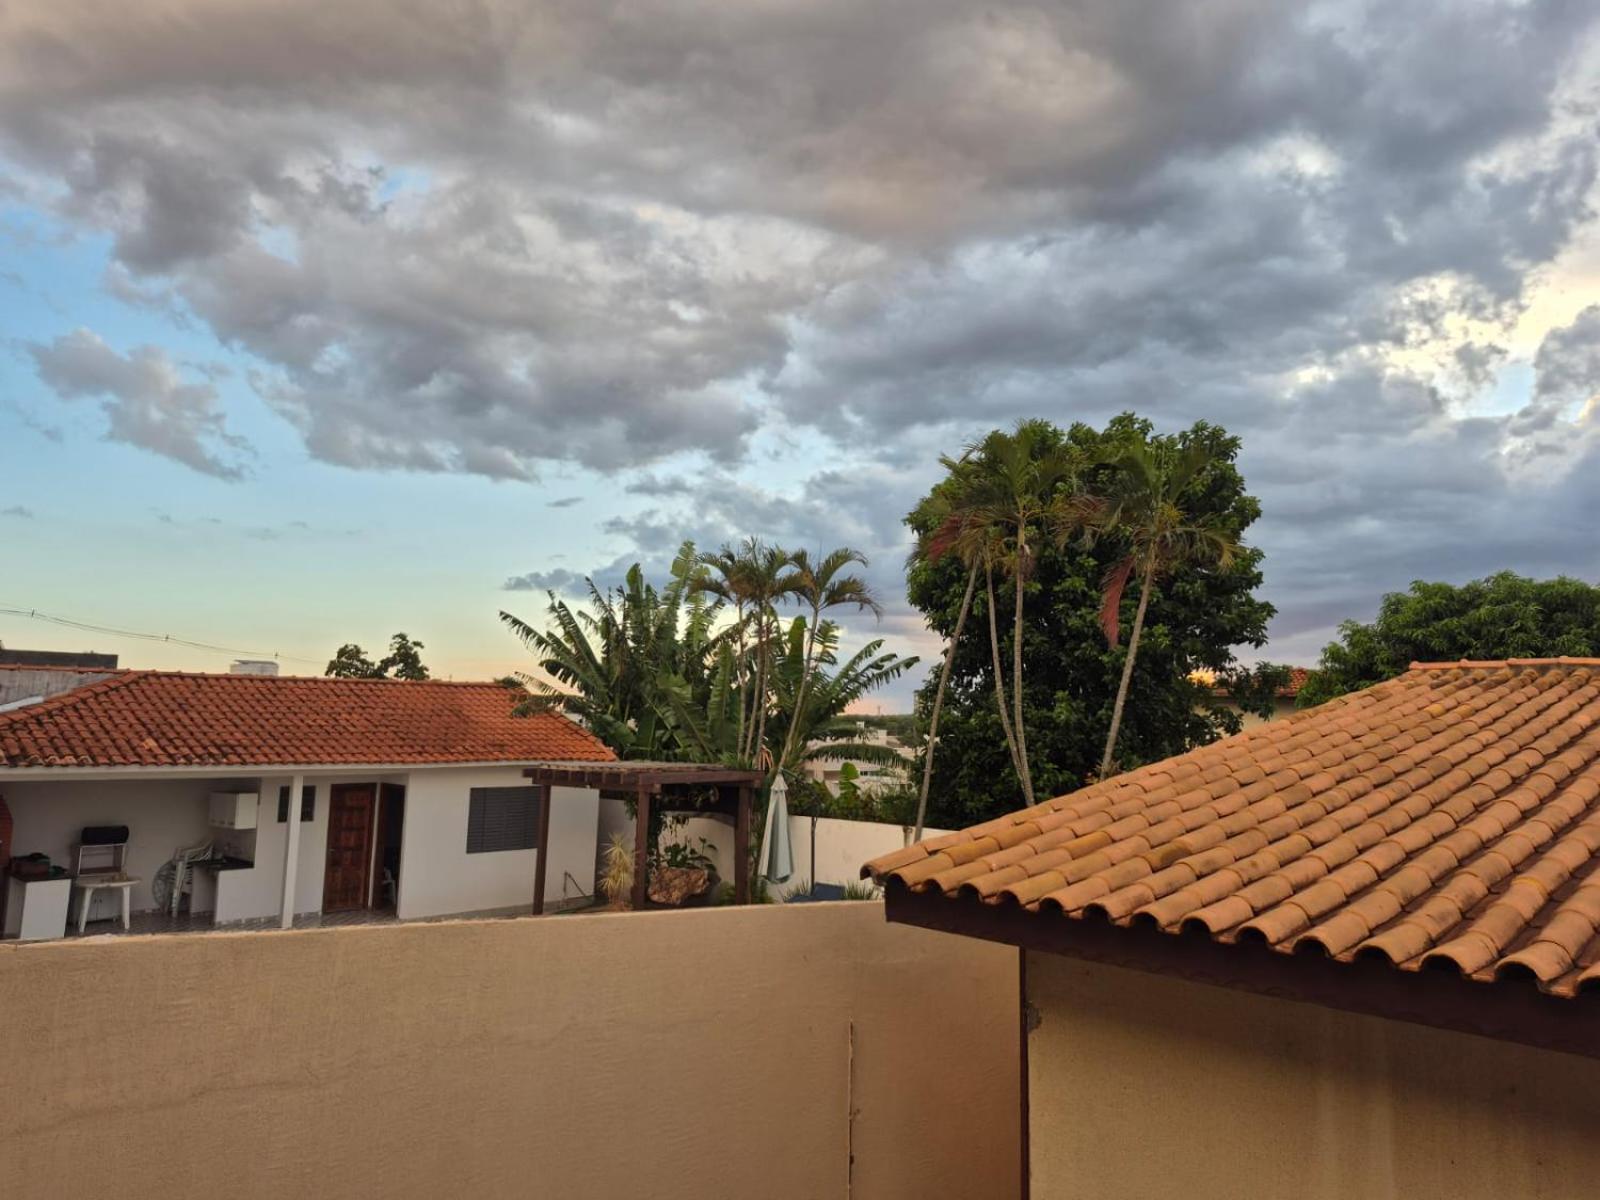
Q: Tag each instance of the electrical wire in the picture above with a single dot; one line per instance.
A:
(111, 631)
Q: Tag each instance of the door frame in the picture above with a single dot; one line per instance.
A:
(380, 827)
(334, 791)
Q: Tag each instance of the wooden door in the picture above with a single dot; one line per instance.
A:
(350, 813)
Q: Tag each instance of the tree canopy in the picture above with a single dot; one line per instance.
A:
(404, 661)
(1195, 617)
(681, 673)
(1504, 616)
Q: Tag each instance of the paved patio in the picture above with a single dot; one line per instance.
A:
(145, 924)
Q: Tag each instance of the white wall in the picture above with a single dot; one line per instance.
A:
(161, 816)
(258, 893)
(439, 877)
(842, 846)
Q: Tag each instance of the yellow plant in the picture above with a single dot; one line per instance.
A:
(616, 878)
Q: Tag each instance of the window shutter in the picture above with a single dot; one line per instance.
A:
(502, 818)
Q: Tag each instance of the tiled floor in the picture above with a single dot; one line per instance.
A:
(148, 923)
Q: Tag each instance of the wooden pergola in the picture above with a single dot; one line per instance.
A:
(664, 786)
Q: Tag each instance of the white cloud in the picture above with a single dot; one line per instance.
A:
(146, 400)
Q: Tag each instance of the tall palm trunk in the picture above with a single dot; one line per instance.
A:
(938, 701)
(1016, 675)
(999, 676)
(739, 615)
(805, 679)
(759, 740)
(1127, 665)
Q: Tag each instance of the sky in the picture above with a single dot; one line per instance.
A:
(323, 321)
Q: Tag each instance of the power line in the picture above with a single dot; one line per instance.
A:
(35, 615)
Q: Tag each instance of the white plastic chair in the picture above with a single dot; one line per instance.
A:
(180, 869)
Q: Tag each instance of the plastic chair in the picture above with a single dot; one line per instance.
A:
(181, 869)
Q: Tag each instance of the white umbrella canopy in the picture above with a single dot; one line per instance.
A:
(777, 856)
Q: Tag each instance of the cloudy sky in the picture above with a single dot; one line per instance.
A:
(325, 320)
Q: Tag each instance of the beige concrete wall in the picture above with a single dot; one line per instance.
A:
(1145, 1088)
(720, 1053)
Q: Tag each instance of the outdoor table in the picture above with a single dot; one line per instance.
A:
(87, 885)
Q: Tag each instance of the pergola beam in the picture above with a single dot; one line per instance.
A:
(660, 787)
(641, 849)
(544, 850)
(631, 776)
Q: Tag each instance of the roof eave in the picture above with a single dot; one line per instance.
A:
(1507, 1010)
(66, 770)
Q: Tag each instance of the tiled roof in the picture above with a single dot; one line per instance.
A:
(172, 719)
(1446, 819)
(1297, 680)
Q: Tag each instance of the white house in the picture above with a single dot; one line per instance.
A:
(339, 794)
(870, 776)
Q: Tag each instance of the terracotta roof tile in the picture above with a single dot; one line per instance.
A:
(174, 719)
(1449, 818)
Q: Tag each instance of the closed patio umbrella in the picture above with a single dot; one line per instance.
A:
(777, 857)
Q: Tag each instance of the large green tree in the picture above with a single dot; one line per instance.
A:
(404, 661)
(1146, 508)
(1503, 616)
(1194, 618)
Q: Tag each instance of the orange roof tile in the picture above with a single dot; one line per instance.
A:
(1297, 680)
(173, 719)
(1448, 818)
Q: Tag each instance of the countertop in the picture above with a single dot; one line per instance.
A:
(228, 863)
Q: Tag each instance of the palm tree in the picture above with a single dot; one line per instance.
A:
(1005, 488)
(726, 575)
(770, 580)
(822, 585)
(1144, 505)
(622, 663)
(815, 698)
(821, 731)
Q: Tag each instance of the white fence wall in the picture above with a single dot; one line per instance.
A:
(842, 846)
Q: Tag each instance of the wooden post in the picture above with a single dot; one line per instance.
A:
(641, 849)
(545, 794)
(741, 847)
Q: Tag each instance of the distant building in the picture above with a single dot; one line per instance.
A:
(29, 676)
(253, 666)
(1283, 701)
(870, 776)
(57, 658)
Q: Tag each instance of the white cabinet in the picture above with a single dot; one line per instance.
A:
(234, 810)
(37, 908)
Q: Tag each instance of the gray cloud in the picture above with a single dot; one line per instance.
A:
(19, 511)
(564, 502)
(558, 580)
(145, 399)
(489, 238)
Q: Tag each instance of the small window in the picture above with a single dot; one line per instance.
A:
(502, 818)
(308, 803)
